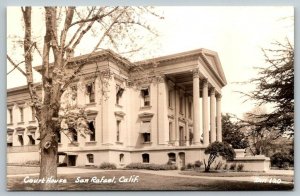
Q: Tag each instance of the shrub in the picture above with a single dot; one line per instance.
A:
(240, 167)
(278, 159)
(198, 164)
(225, 167)
(151, 166)
(32, 163)
(232, 166)
(62, 165)
(217, 149)
(182, 168)
(106, 165)
(218, 165)
(190, 166)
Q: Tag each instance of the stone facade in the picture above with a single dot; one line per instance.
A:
(152, 111)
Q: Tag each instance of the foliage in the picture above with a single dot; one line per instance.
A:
(198, 164)
(232, 134)
(240, 167)
(107, 166)
(190, 166)
(119, 28)
(279, 159)
(275, 86)
(225, 167)
(232, 166)
(151, 166)
(217, 149)
(218, 165)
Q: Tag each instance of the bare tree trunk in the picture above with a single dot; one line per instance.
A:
(48, 147)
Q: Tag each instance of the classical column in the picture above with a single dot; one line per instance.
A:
(219, 118)
(176, 128)
(212, 115)
(162, 109)
(205, 112)
(196, 102)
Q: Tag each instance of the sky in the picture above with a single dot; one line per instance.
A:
(236, 33)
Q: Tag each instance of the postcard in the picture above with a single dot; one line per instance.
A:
(150, 98)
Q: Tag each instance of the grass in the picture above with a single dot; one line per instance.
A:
(11, 170)
(147, 182)
(236, 174)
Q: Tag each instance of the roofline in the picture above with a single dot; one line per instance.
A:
(94, 55)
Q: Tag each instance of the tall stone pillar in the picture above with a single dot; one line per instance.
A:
(162, 109)
(212, 115)
(219, 118)
(196, 102)
(205, 112)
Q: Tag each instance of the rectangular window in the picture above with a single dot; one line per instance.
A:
(147, 137)
(190, 109)
(119, 95)
(73, 135)
(146, 158)
(146, 96)
(32, 113)
(170, 98)
(31, 140)
(181, 106)
(90, 158)
(90, 90)
(10, 139)
(21, 114)
(93, 131)
(10, 111)
(20, 138)
(118, 130)
(59, 137)
(170, 131)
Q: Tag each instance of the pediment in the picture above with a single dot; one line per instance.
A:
(211, 58)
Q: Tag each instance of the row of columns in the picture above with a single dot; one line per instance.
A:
(215, 107)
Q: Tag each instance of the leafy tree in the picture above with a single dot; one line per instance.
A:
(274, 86)
(232, 134)
(280, 158)
(65, 28)
(217, 149)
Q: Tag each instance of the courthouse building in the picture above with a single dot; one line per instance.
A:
(162, 109)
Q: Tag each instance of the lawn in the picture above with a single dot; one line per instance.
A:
(12, 170)
(147, 182)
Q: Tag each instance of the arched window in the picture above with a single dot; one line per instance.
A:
(121, 158)
(90, 158)
(146, 158)
(172, 158)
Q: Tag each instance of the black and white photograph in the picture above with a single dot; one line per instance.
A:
(141, 98)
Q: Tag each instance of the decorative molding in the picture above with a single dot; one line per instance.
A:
(196, 73)
(146, 116)
(91, 114)
(120, 114)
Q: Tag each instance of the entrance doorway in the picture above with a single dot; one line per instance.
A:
(181, 159)
(72, 160)
(181, 136)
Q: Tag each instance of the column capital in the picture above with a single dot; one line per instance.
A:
(196, 73)
(212, 91)
(204, 82)
(160, 78)
(218, 96)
